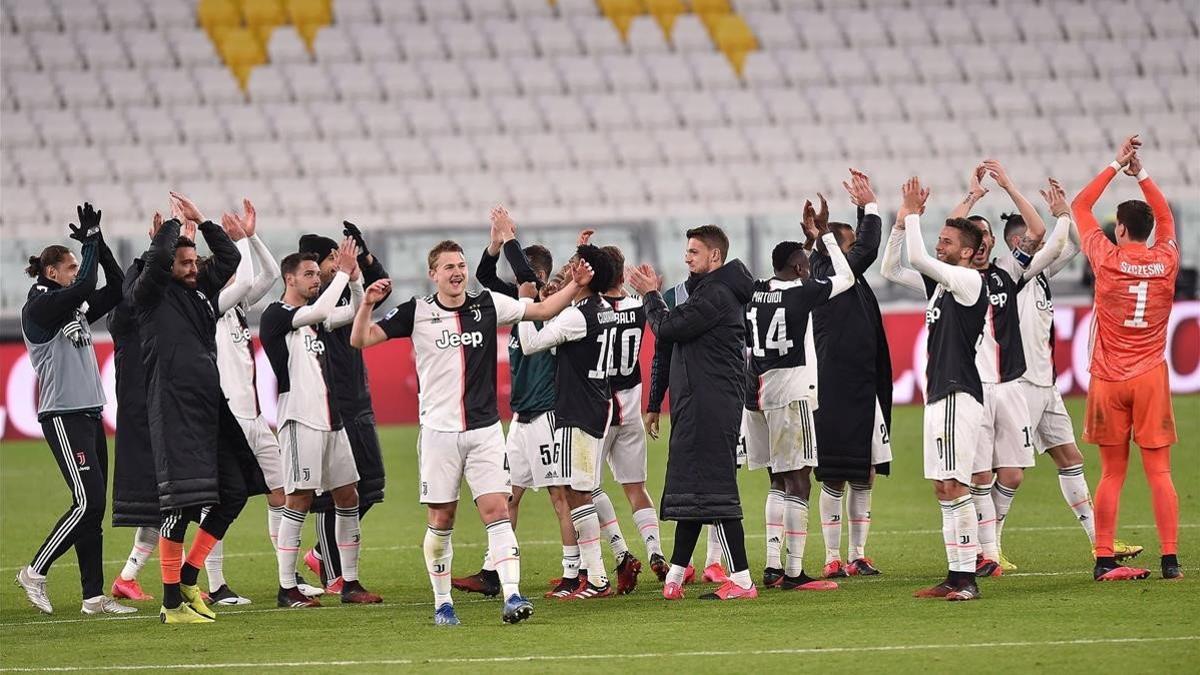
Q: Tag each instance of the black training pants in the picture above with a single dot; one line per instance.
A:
(79, 446)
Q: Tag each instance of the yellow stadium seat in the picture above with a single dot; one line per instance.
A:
(734, 38)
(242, 51)
(711, 7)
(215, 15)
(621, 12)
(260, 13)
(309, 16)
(665, 11)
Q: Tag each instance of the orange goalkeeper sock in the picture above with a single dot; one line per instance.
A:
(1157, 464)
(1114, 464)
(201, 546)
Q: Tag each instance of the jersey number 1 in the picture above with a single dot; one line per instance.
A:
(1142, 291)
(776, 337)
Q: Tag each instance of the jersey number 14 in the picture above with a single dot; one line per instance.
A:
(776, 338)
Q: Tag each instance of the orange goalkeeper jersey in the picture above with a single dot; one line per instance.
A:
(1135, 285)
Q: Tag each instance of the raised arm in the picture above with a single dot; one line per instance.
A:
(268, 271)
(369, 263)
(1070, 250)
(963, 282)
(1164, 220)
(103, 301)
(869, 228)
(236, 290)
(975, 192)
(843, 277)
(344, 314)
(54, 307)
(1035, 227)
(1094, 242)
(581, 274)
(321, 310)
(397, 323)
(891, 267)
(1056, 199)
(486, 274)
(159, 258)
(568, 326)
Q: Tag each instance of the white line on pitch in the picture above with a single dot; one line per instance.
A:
(555, 542)
(601, 657)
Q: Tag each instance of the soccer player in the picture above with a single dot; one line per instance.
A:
(583, 336)
(954, 317)
(200, 453)
(454, 341)
(235, 363)
(1130, 394)
(854, 372)
(660, 377)
(708, 334)
(1053, 433)
(62, 304)
(624, 447)
(317, 456)
(1006, 439)
(532, 402)
(780, 429)
(352, 396)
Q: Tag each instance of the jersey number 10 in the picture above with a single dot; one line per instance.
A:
(776, 338)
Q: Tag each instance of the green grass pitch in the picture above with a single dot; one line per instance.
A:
(1049, 615)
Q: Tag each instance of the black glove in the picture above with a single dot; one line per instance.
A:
(88, 229)
(349, 229)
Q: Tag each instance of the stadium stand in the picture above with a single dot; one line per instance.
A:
(418, 114)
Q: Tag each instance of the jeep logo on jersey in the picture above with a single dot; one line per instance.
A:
(313, 344)
(998, 299)
(240, 335)
(932, 315)
(450, 340)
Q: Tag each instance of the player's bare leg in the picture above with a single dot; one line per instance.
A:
(988, 554)
(797, 486)
(960, 530)
(646, 520)
(774, 514)
(506, 554)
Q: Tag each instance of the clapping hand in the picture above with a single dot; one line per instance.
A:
(643, 279)
(1056, 199)
(377, 291)
(88, 228)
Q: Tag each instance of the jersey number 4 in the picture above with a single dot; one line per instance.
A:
(776, 338)
(1141, 291)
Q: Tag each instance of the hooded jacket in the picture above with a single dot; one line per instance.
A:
(707, 383)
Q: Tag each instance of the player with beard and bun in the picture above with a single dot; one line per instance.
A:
(1007, 440)
(200, 454)
(235, 362)
(780, 431)
(62, 303)
(352, 396)
(1053, 433)
(583, 336)
(624, 447)
(454, 342)
(954, 318)
(854, 383)
(708, 335)
(1130, 394)
(317, 456)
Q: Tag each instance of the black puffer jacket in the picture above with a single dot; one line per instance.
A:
(708, 333)
(135, 486)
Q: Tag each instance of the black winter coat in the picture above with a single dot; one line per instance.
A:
(854, 365)
(708, 334)
(187, 412)
(135, 485)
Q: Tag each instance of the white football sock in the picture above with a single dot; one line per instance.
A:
(1075, 491)
(675, 575)
(506, 555)
(795, 533)
(981, 495)
(439, 554)
(949, 537)
(214, 566)
(608, 523)
(742, 578)
(774, 520)
(570, 562)
(347, 532)
(488, 565)
(587, 532)
(274, 513)
(713, 553)
(830, 505)
(966, 530)
(145, 540)
(647, 524)
(859, 510)
(288, 548)
(1002, 498)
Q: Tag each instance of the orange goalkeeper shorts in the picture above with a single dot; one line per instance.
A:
(1140, 407)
